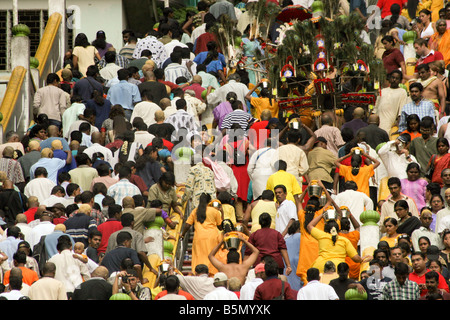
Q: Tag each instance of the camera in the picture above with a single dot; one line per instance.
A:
(125, 279)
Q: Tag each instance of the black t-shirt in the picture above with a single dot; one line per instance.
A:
(341, 286)
(157, 89)
(93, 289)
(113, 259)
(162, 130)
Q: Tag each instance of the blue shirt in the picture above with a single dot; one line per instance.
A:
(124, 93)
(360, 4)
(51, 240)
(47, 143)
(53, 165)
(200, 58)
(424, 108)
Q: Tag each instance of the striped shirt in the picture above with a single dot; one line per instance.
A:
(122, 189)
(408, 291)
(424, 108)
(176, 70)
(79, 227)
(237, 116)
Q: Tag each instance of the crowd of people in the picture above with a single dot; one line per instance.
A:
(164, 126)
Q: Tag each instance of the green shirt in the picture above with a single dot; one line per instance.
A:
(423, 150)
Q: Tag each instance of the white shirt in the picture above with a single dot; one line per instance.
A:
(143, 138)
(109, 71)
(356, 201)
(70, 271)
(96, 147)
(395, 164)
(315, 290)
(172, 44)
(25, 229)
(40, 188)
(444, 223)
(42, 229)
(52, 200)
(145, 110)
(221, 293)
(286, 211)
(12, 295)
(248, 289)
(220, 94)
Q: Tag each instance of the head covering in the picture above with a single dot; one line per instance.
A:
(259, 268)
(46, 153)
(219, 277)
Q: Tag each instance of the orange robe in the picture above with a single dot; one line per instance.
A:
(309, 246)
(441, 44)
(354, 266)
(206, 237)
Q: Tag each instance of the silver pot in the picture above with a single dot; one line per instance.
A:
(330, 214)
(314, 190)
(323, 200)
(232, 242)
(345, 213)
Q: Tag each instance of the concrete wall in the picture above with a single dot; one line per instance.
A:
(88, 16)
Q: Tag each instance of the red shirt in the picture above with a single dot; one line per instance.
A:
(385, 6)
(30, 214)
(269, 242)
(197, 88)
(432, 56)
(413, 276)
(258, 133)
(392, 59)
(107, 228)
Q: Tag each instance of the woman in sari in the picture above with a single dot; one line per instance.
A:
(407, 223)
(440, 40)
(440, 161)
(206, 221)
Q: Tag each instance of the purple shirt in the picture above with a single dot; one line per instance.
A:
(221, 111)
(415, 190)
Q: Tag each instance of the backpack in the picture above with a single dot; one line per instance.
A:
(40, 253)
(221, 178)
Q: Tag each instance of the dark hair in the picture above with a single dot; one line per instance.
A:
(123, 236)
(312, 206)
(312, 274)
(356, 162)
(265, 220)
(205, 198)
(113, 210)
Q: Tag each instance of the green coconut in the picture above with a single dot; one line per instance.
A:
(354, 294)
(120, 296)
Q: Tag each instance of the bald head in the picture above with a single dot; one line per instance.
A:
(159, 116)
(148, 74)
(100, 272)
(34, 145)
(96, 137)
(327, 119)
(53, 131)
(21, 218)
(266, 115)
(164, 103)
(197, 79)
(33, 202)
(128, 202)
(8, 184)
(373, 119)
(358, 113)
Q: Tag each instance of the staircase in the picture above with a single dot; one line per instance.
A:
(187, 255)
